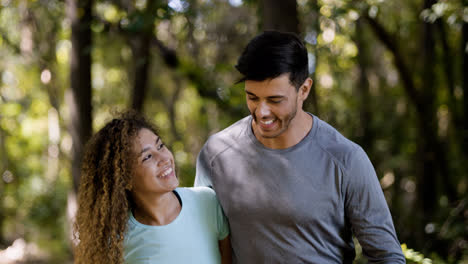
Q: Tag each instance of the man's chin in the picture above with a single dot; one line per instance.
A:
(268, 134)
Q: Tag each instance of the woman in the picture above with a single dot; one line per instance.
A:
(130, 209)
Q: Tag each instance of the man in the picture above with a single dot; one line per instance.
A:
(293, 188)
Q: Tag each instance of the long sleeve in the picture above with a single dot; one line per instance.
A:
(202, 175)
(368, 212)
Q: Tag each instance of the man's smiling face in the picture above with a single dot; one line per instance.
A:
(273, 104)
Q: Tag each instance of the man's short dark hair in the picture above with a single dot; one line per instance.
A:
(273, 53)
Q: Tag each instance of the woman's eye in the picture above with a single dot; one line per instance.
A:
(147, 157)
(160, 146)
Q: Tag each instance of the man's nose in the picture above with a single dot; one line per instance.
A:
(263, 110)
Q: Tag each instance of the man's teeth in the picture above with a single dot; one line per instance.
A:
(165, 173)
(267, 122)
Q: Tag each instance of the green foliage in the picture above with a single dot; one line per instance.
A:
(198, 96)
(414, 256)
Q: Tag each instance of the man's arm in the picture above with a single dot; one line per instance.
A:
(203, 170)
(368, 212)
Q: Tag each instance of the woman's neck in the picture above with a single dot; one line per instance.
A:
(157, 210)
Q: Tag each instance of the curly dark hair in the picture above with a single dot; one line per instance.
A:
(104, 194)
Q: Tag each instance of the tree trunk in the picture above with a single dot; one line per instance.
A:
(428, 124)
(140, 48)
(464, 70)
(280, 15)
(447, 59)
(79, 97)
(453, 103)
(140, 44)
(365, 134)
(171, 106)
(312, 101)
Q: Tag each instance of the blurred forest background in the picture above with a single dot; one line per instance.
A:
(390, 75)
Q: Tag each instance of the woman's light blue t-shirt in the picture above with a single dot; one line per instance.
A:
(191, 238)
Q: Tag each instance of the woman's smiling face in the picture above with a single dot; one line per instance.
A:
(154, 169)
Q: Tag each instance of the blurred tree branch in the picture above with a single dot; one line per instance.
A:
(390, 42)
(79, 99)
(463, 72)
(9, 43)
(433, 164)
(204, 84)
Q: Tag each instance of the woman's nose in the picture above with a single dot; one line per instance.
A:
(163, 159)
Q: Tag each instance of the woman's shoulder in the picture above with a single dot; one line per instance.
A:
(196, 191)
(200, 193)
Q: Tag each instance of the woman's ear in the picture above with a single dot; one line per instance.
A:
(129, 185)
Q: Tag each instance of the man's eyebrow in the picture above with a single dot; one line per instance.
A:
(269, 97)
(275, 97)
(147, 148)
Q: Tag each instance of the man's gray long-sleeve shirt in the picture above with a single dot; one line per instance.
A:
(301, 204)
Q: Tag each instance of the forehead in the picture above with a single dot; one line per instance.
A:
(276, 86)
(144, 137)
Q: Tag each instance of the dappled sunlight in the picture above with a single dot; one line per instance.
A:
(358, 52)
(21, 251)
(387, 180)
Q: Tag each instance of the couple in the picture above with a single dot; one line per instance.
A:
(293, 189)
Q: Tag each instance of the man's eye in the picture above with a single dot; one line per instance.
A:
(276, 101)
(252, 98)
(160, 146)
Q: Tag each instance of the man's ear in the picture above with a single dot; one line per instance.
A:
(304, 90)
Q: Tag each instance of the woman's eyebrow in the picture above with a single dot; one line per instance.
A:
(147, 148)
